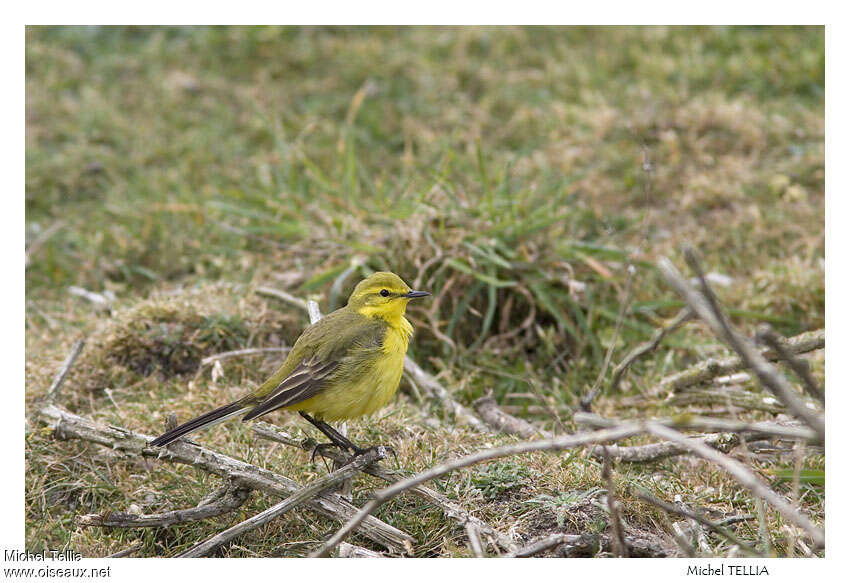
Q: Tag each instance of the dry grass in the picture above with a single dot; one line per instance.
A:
(501, 169)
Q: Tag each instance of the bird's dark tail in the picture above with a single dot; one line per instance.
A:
(206, 420)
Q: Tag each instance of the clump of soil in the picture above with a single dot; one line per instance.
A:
(169, 334)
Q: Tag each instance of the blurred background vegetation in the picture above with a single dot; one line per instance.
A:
(514, 172)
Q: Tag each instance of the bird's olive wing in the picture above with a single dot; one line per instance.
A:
(338, 343)
(302, 383)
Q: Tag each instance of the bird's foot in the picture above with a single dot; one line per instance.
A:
(324, 450)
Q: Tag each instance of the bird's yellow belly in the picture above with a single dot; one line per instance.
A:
(364, 395)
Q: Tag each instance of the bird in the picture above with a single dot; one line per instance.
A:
(346, 365)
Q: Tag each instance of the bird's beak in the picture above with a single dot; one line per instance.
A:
(416, 294)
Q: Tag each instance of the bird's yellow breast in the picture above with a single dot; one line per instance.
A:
(373, 388)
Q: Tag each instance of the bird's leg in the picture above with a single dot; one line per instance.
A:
(337, 438)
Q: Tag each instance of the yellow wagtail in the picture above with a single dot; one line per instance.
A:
(346, 365)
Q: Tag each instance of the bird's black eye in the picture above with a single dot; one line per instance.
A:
(385, 293)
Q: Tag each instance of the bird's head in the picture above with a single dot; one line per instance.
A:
(383, 295)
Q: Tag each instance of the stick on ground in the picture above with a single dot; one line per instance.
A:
(69, 426)
(683, 316)
(695, 516)
(706, 306)
(230, 500)
(449, 508)
(60, 377)
(744, 476)
(706, 370)
(555, 444)
(501, 421)
(800, 367)
(304, 494)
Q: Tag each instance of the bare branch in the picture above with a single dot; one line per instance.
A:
(69, 426)
(617, 539)
(683, 316)
(587, 545)
(708, 369)
(696, 529)
(743, 476)
(125, 552)
(100, 301)
(60, 377)
(224, 503)
(40, 240)
(708, 424)
(282, 295)
(554, 444)
(724, 442)
(734, 398)
(303, 495)
(585, 401)
(349, 551)
(313, 311)
(501, 421)
(243, 352)
(707, 308)
(699, 518)
(475, 544)
(586, 542)
(800, 367)
(449, 508)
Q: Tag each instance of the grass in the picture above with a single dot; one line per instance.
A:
(503, 169)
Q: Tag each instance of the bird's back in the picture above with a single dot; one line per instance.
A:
(329, 339)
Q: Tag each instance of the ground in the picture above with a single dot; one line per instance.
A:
(515, 173)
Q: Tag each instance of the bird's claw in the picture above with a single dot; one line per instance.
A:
(321, 448)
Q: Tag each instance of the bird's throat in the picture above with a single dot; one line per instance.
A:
(400, 330)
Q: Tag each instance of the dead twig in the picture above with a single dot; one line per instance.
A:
(619, 544)
(449, 508)
(683, 316)
(243, 352)
(130, 443)
(282, 295)
(554, 444)
(800, 367)
(40, 240)
(699, 518)
(125, 552)
(501, 421)
(299, 497)
(695, 527)
(708, 369)
(708, 424)
(233, 497)
(350, 551)
(62, 374)
(586, 401)
(729, 398)
(744, 476)
(588, 545)
(583, 541)
(100, 301)
(475, 544)
(724, 442)
(706, 306)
